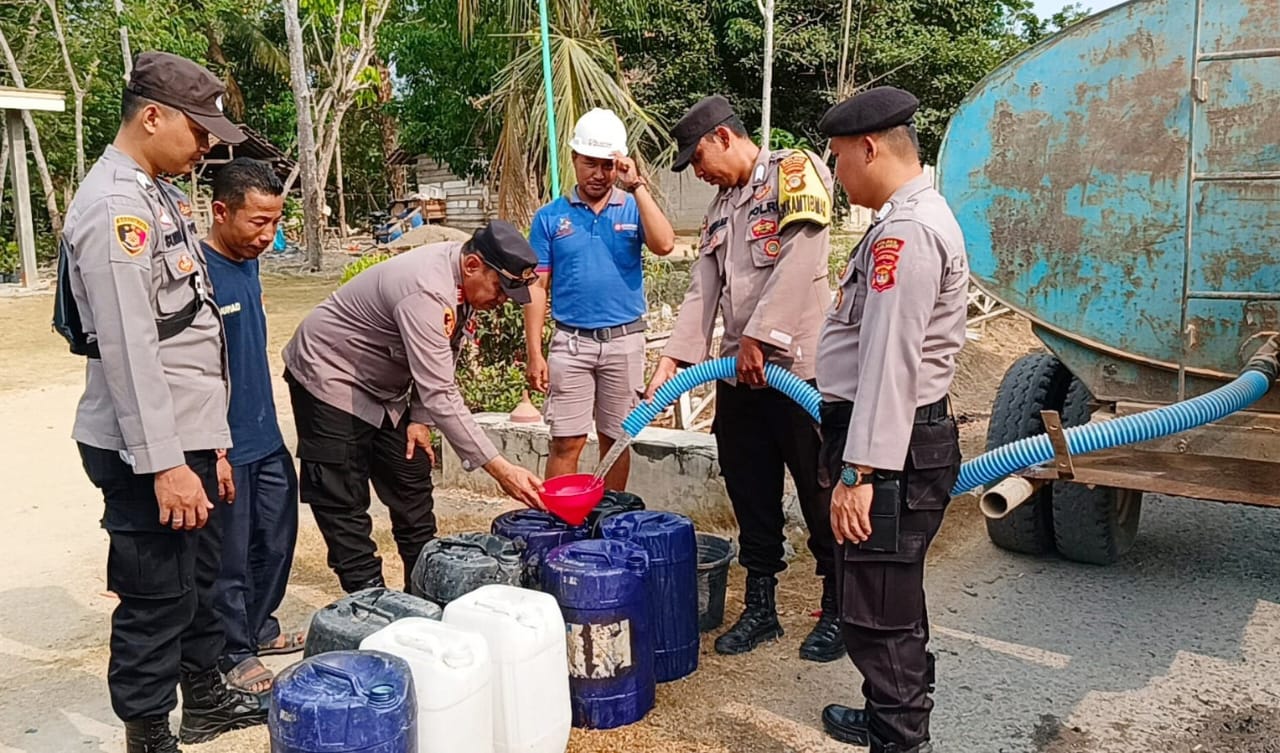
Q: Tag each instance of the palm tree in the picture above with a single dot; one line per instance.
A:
(586, 73)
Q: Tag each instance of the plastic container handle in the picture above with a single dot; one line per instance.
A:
(357, 606)
(455, 544)
(521, 616)
(354, 682)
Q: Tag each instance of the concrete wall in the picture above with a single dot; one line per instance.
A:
(670, 469)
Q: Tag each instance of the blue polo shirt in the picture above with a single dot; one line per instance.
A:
(597, 278)
(255, 433)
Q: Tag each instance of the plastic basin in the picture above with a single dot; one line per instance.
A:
(572, 497)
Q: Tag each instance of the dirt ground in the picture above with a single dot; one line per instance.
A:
(54, 608)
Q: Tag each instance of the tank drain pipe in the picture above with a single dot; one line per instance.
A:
(1001, 499)
(1253, 383)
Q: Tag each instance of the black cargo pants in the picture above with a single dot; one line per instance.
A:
(760, 434)
(339, 454)
(165, 624)
(884, 618)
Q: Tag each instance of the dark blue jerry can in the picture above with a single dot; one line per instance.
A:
(535, 534)
(345, 702)
(341, 625)
(672, 546)
(600, 586)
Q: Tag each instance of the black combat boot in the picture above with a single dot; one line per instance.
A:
(824, 643)
(759, 620)
(845, 724)
(150, 736)
(880, 746)
(210, 708)
(931, 671)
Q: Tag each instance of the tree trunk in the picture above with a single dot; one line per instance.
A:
(766, 98)
(4, 166)
(42, 165)
(124, 39)
(77, 90)
(342, 197)
(312, 219)
(390, 132)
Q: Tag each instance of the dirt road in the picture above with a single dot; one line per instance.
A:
(1173, 649)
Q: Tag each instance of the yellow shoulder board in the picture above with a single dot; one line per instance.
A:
(802, 196)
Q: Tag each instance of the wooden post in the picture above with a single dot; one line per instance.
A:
(22, 197)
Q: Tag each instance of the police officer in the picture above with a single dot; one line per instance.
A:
(762, 265)
(890, 449)
(372, 367)
(133, 297)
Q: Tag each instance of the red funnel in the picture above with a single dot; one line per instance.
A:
(571, 498)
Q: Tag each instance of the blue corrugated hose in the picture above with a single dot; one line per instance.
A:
(721, 368)
(1244, 391)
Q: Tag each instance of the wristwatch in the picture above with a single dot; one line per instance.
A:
(851, 476)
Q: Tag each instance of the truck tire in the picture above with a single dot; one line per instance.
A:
(1034, 383)
(1094, 525)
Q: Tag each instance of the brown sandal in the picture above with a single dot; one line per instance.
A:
(251, 676)
(286, 643)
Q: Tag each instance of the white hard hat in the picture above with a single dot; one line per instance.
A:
(599, 134)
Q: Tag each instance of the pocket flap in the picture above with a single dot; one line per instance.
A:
(937, 455)
(911, 548)
(317, 450)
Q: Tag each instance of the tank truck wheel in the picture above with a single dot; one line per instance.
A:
(1034, 383)
(1095, 525)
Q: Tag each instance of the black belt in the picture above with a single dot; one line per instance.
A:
(925, 414)
(165, 328)
(605, 334)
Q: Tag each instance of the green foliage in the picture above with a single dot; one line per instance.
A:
(781, 139)
(9, 258)
(360, 265)
(666, 281)
(491, 371)
(442, 83)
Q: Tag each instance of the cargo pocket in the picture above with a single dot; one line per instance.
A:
(885, 590)
(934, 466)
(149, 565)
(326, 472)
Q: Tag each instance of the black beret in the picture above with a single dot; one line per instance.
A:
(506, 250)
(873, 110)
(700, 120)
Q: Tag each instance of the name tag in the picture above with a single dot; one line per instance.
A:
(230, 308)
(623, 227)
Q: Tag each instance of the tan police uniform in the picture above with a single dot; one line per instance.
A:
(762, 267)
(886, 358)
(378, 353)
(134, 298)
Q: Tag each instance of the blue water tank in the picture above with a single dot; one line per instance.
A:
(672, 546)
(345, 702)
(600, 586)
(535, 534)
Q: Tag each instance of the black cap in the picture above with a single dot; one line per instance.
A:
(873, 110)
(507, 251)
(700, 120)
(186, 86)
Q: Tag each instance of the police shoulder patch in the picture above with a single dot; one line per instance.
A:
(450, 322)
(131, 233)
(802, 195)
(884, 260)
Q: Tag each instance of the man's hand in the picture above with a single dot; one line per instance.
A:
(851, 512)
(665, 369)
(628, 174)
(537, 373)
(419, 435)
(750, 362)
(520, 484)
(226, 480)
(183, 503)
